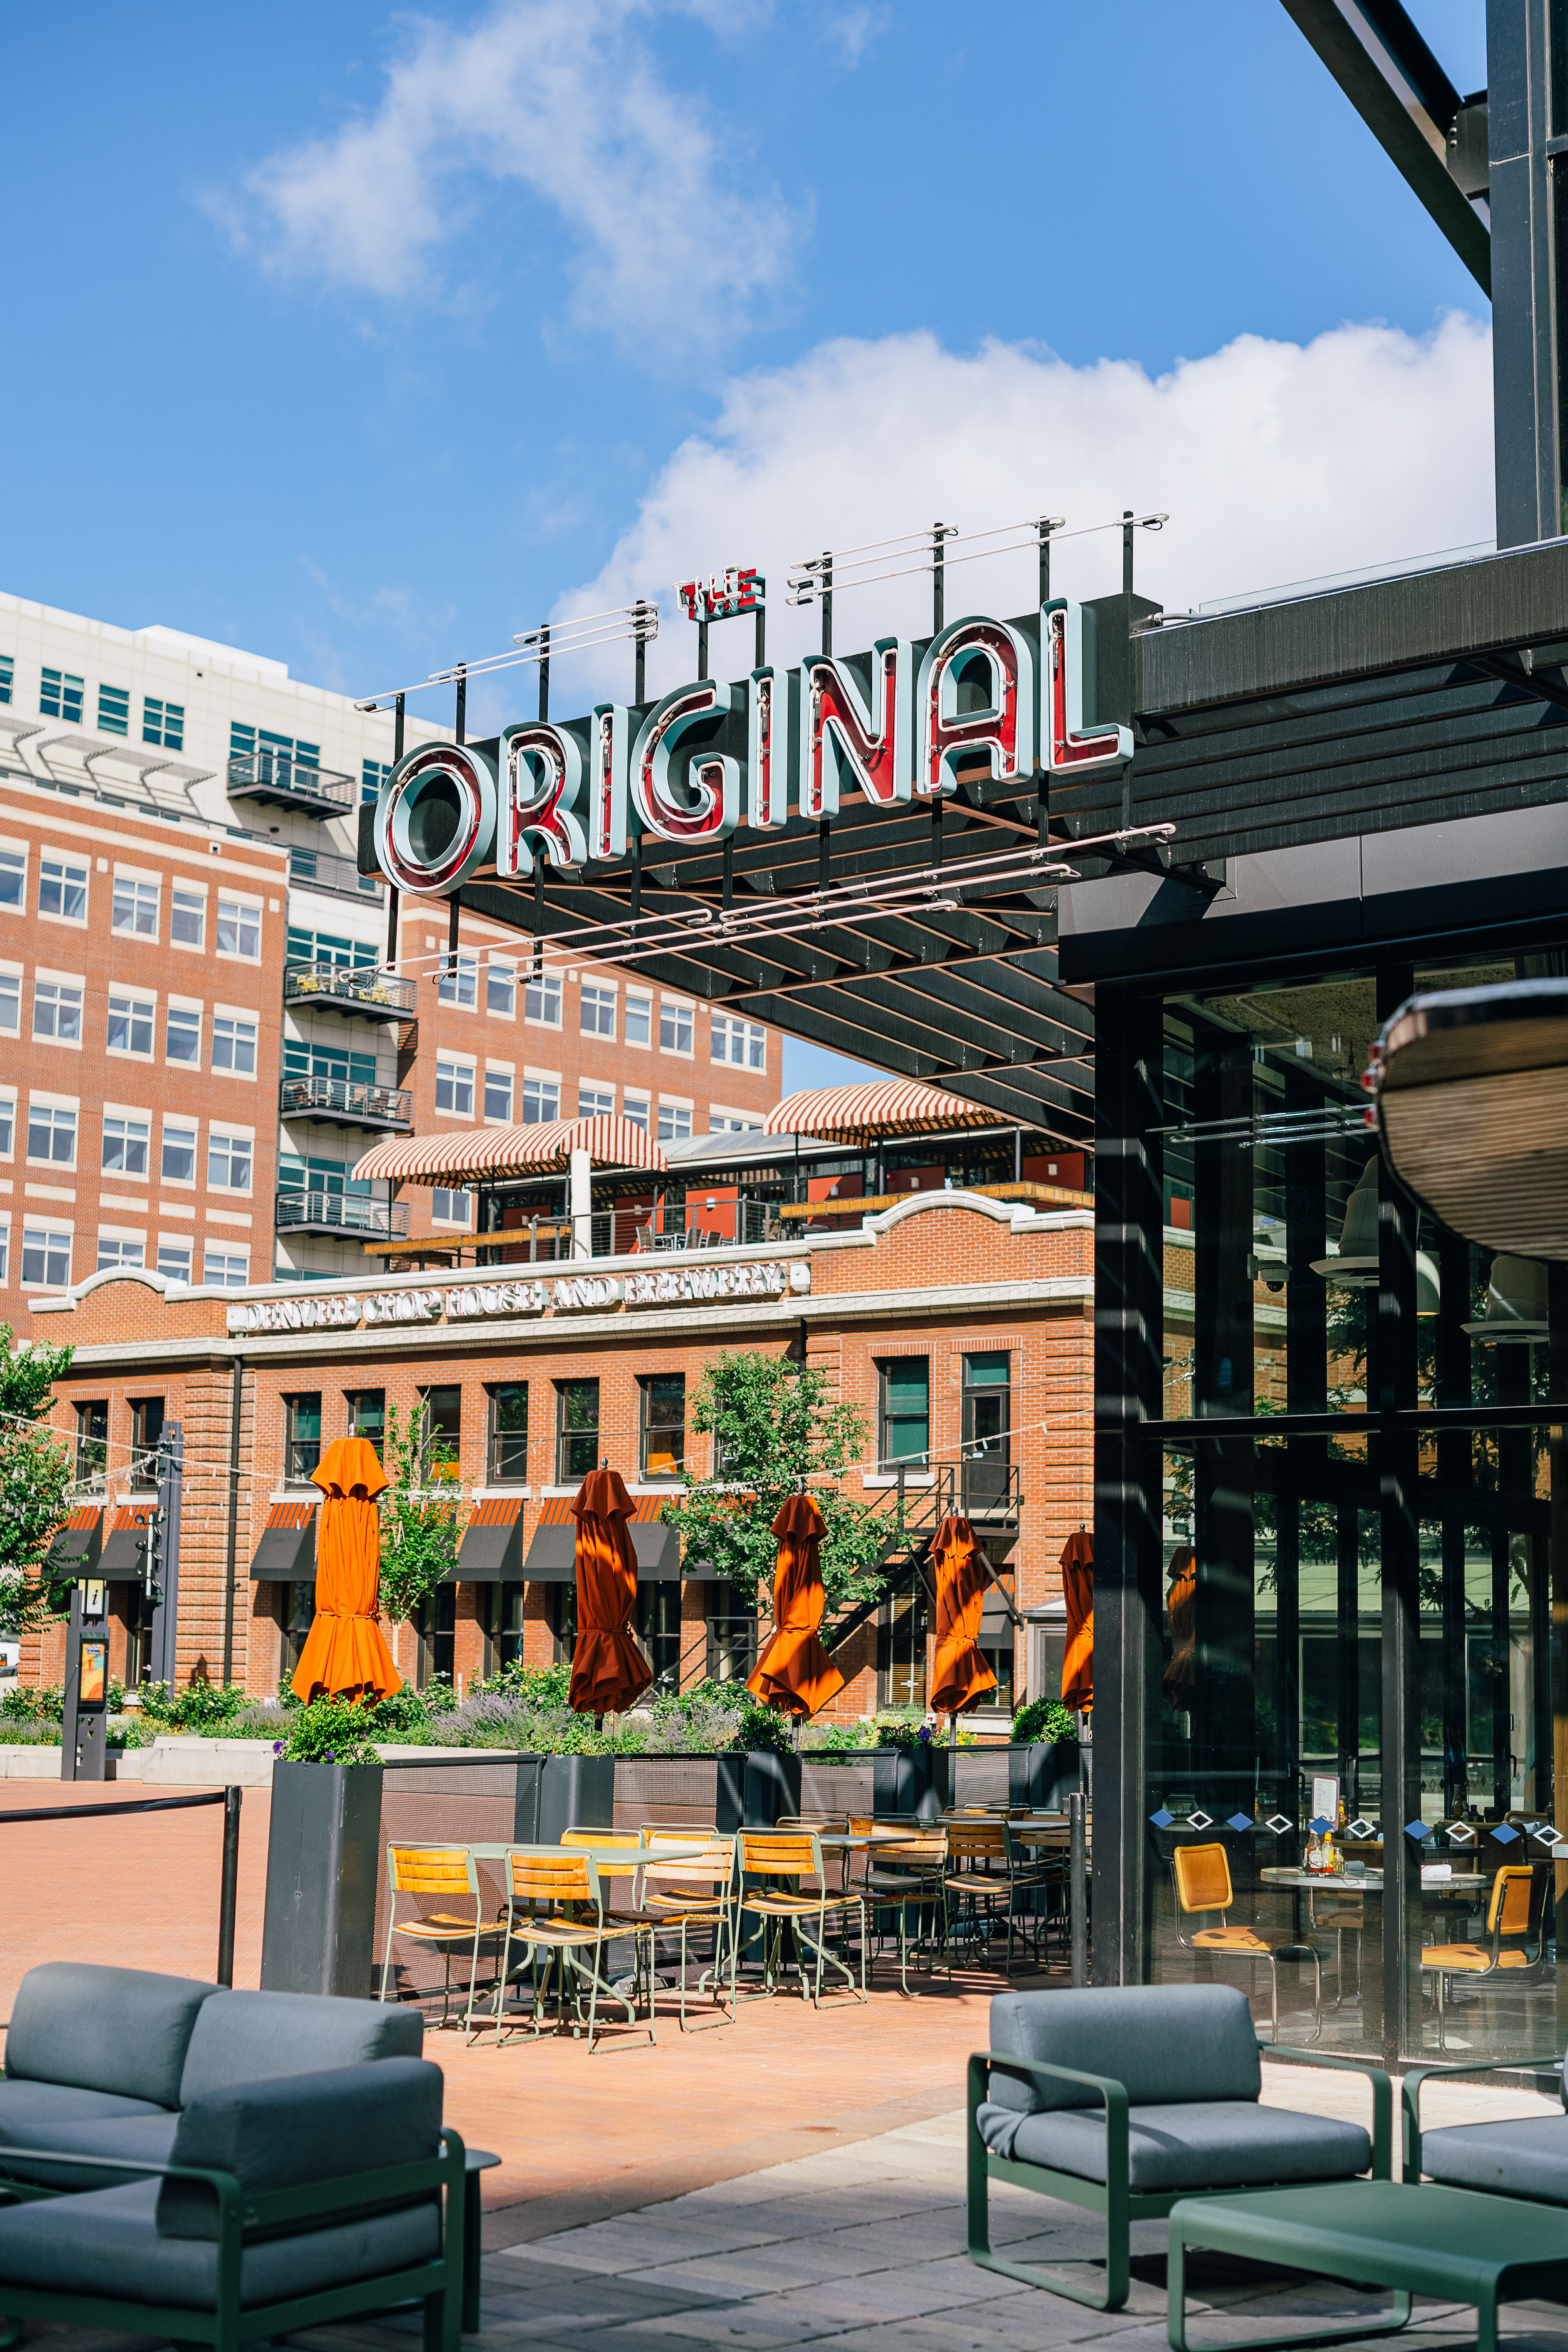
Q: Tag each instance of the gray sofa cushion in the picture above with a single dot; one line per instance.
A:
(1166, 2043)
(251, 2037)
(1214, 2144)
(27, 2109)
(119, 2030)
(1528, 2158)
(301, 2128)
(140, 2139)
(108, 2244)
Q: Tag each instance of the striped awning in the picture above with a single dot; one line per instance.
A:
(861, 1114)
(482, 1155)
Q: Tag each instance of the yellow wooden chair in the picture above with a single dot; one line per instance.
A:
(696, 1891)
(426, 1871)
(1202, 1877)
(986, 1870)
(1516, 1913)
(791, 1856)
(571, 1932)
(911, 1876)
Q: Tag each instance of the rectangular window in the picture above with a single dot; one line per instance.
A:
(455, 1086)
(443, 1434)
(905, 1416)
(45, 1258)
(663, 1424)
(239, 928)
(7, 1126)
(146, 1429)
(326, 946)
(62, 889)
(114, 710)
(60, 696)
(119, 1252)
(509, 1434)
(598, 1011)
(13, 875)
(188, 918)
(11, 1001)
(241, 740)
(56, 1011)
(301, 1437)
(224, 1269)
(674, 1122)
(743, 1043)
(136, 907)
(633, 1110)
(541, 999)
(228, 1162)
(500, 987)
(92, 1438)
(174, 1259)
(234, 1044)
(733, 1122)
(450, 1208)
(577, 1429)
(540, 1100)
(498, 1095)
(163, 722)
(460, 981)
(179, 1164)
(7, 676)
(373, 775)
(51, 1135)
(367, 1415)
(674, 1027)
(131, 1022)
(640, 1020)
(125, 1142)
(183, 1039)
(596, 1102)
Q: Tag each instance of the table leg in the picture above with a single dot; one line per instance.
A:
(472, 2217)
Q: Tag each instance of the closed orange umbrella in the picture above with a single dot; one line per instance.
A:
(1181, 1601)
(608, 1670)
(1078, 1585)
(961, 1673)
(795, 1672)
(344, 1652)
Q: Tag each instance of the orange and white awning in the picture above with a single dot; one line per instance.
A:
(861, 1114)
(487, 1154)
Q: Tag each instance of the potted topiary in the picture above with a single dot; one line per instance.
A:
(1044, 1767)
(322, 1853)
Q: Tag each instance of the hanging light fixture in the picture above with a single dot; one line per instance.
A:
(1356, 1264)
(1516, 1303)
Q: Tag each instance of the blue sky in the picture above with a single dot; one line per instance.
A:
(365, 338)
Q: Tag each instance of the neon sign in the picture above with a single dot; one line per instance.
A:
(890, 726)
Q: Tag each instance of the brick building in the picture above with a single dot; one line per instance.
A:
(957, 1319)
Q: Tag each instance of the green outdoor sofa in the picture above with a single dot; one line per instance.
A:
(1128, 2099)
(1527, 2158)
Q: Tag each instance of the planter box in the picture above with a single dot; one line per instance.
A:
(576, 1792)
(769, 1787)
(916, 1780)
(323, 1864)
(1043, 1774)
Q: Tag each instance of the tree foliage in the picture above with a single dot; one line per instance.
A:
(419, 1514)
(775, 1423)
(35, 1481)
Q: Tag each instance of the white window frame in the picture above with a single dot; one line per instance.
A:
(138, 878)
(545, 982)
(125, 1113)
(37, 1100)
(184, 1004)
(134, 997)
(252, 1019)
(532, 1078)
(245, 904)
(43, 978)
(635, 996)
(453, 1192)
(8, 1095)
(500, 965)
(220, 1131)
(591, 1085)
(177, 1124)
(676, 1107)
(120, 1234)
(636, 1107)
(188, 889)
(228, 1251)
(449, 1069)
(454, 970)
(49, 855)
(507, 1070)
(599, 988)
(12, 848)
(675, 1007)
(57, 1229)
(184, 1243)
(18, 972)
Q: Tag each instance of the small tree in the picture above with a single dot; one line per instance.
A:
(35, 1481)
(773, 1424)
(418, 1513)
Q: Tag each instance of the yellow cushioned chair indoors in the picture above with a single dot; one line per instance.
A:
(1202, 1877)
(1515, 1916)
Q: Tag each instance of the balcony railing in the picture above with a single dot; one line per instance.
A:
(348, 1101)
(632, 1233)
(318, 869)
(340, 1213)
(287, 783)
(359, 988)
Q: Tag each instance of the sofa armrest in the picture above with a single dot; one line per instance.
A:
(1381, 2098)
(1112, 2098)
(1410, 2093)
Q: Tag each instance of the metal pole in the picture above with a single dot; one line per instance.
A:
(702, 646)
(231, 1803)
(461, 729)
(938, 577)
(543, 675)
(392, 887)
(1078, 1887)
(828, 600)
(639, 692)
(236, 1397)
(1127, 550)
(1045, 531)
(761, 636)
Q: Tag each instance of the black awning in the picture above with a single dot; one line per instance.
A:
(551, 1556)
(122, 1555)
(75, 1550)
(491, 1550)
(287, 1552)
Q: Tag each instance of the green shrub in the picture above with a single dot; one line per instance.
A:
(22, 1706)
(531, 1686)
(201, 1706)
(14, 1732)
(327, 1731)
(1043, 1720)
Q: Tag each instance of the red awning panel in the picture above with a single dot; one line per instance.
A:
(891, 1107)
(489, 1152)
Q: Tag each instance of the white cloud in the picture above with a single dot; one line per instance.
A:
(564, 101)
(1276, 461)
